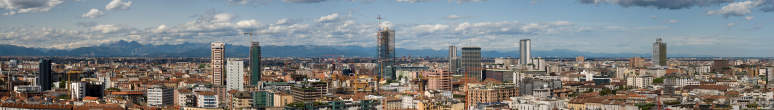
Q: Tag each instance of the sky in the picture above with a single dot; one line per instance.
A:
(689, 27)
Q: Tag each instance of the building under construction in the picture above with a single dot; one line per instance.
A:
(386, 53)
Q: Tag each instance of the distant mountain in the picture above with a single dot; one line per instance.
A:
(135, 49)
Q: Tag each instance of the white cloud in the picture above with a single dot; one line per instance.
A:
(412, 1)
(456, 17)
(660, 4)
(248, 23)
(430, 27)
(731, 24)
(93, 13)
(106, 28)
(748, 18)
(464, 1)
(737, 8)
(118, 5)
(282, 21)
(27, 6)
(223, 17)
(303, 1)
(329, 18)
(672, 21)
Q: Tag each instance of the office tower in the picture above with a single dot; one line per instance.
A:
(525, 55)
(159, 96)
(453, 60)
(255, 63)
(216, 62)
(235, 74)
(45, 79)
(77, 90)
(471, 62)
(659, 53)
(263, 99)
(386, 52)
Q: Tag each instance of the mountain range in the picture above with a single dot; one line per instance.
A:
(135, 49)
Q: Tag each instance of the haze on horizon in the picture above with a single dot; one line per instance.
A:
(692, 27)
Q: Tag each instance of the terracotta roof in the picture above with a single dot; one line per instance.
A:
(90, 98)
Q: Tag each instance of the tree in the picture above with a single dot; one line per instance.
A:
(658, 80)
(113, 89)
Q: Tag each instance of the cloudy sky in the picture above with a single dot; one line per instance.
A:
(694, 27)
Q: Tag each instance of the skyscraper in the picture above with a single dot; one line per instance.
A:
(235, 74)
(255, 63)
(386, 52)
(453, 60)
(45, 79)
(525, 55)
(659, 53)
(216, 62)
(471, 62)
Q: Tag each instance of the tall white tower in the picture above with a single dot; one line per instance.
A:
(525, 55)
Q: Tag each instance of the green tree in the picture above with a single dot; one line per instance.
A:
(658, 80)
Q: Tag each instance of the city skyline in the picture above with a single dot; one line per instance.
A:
(606, 26)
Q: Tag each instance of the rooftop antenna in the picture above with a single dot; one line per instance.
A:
(379, 22)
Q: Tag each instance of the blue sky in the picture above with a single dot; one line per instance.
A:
(690, 27)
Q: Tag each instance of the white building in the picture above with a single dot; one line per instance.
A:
(235, 74)
(534, 103)
(639, 82)
(77, 90)
(159, 96)
(206, 99)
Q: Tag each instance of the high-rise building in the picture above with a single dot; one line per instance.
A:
(386, 53)
(217, 59)
(77, 90)
(659, 53)
(471, 62)
(255, 63)
(525, 52)
(45, 79)
(159, 96)
(453, 60)
(235, 74)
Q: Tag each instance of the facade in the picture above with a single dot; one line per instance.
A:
(45, 79)
(206, 99)
(721, 66)
(489, 93)
(525, 49)
(386, 53)
(309, 91)
(439, 80)
(471, 62)
(453, 59)
(217, 61)
(659, 53)
(77, 90)
(636, 62)
(255, 63)
(639, 82)
(159, 96)
(235, 74)
(241, 100)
